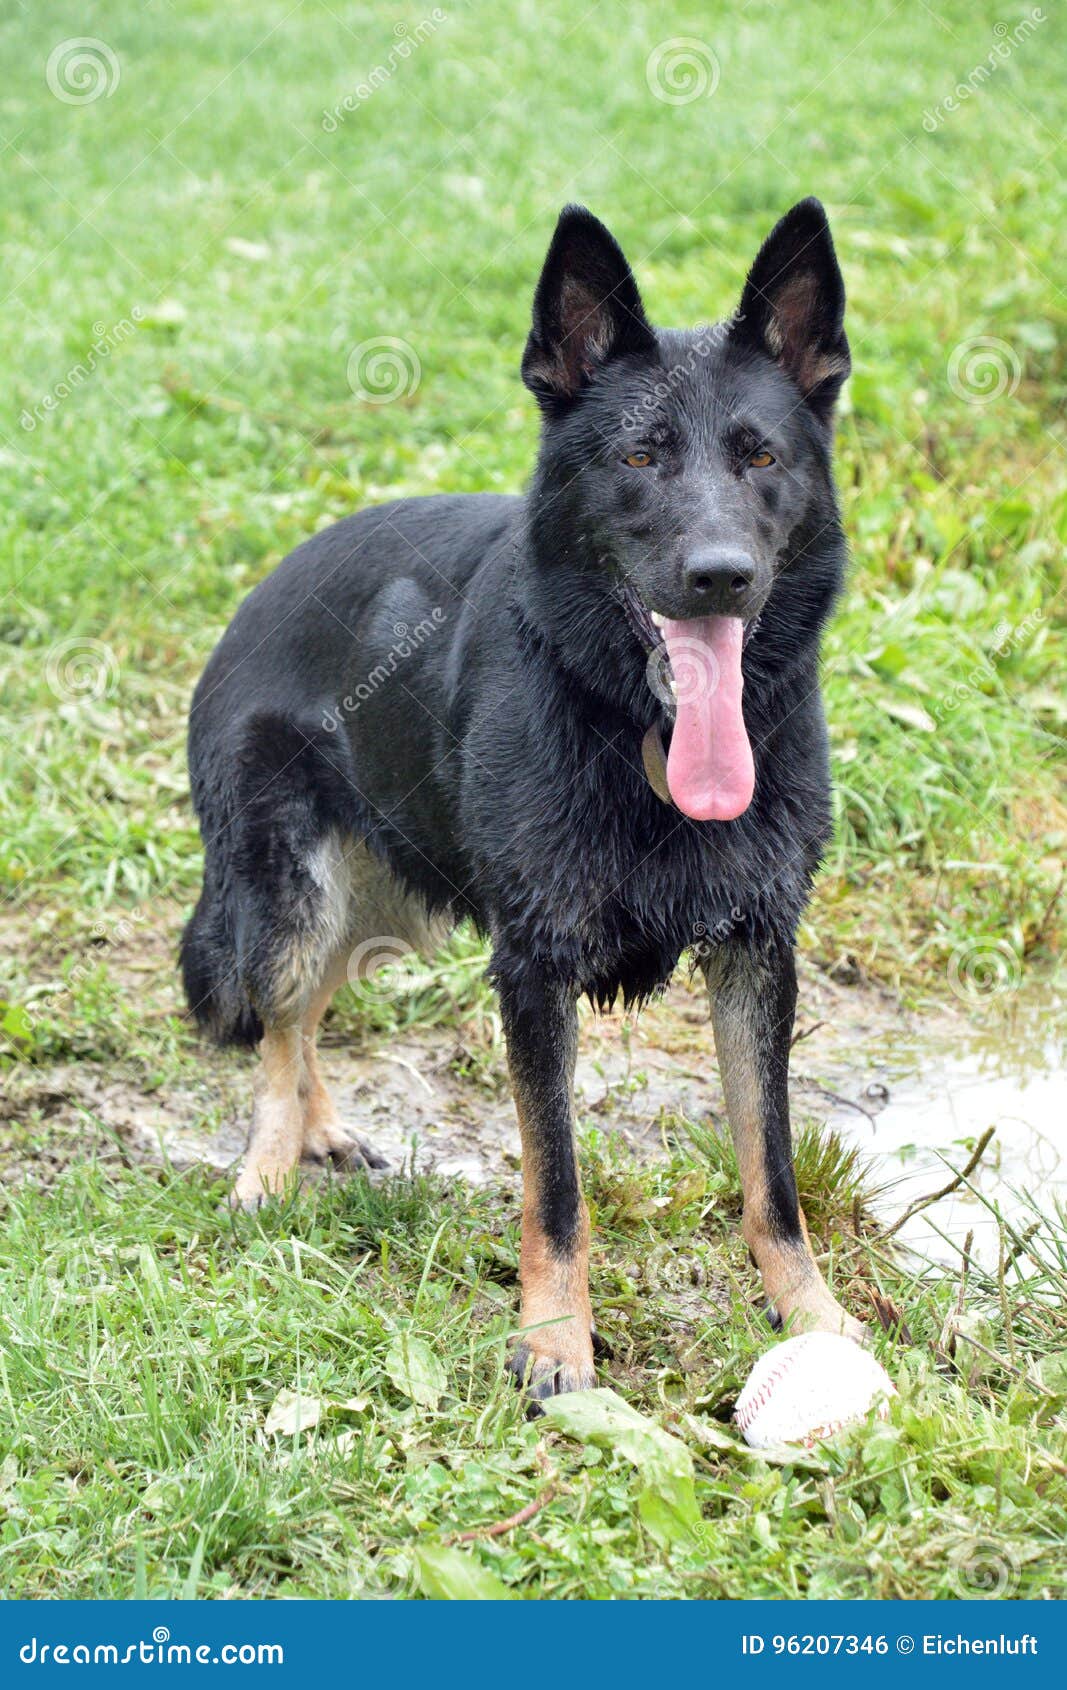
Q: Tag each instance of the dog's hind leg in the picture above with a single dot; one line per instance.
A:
(555, 1353)
(295, 911)
(294, 1118)
(277, 1120)
(753, 996)
(325, 1137)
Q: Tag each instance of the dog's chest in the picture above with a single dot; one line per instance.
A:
(636, 886)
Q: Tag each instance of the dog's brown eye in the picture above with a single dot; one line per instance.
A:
(638, 460)
(760, 460)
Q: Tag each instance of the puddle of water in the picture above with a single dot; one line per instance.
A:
(1006, 1071)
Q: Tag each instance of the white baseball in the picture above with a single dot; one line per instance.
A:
(807, 1388)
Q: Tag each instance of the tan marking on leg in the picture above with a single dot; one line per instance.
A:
(555, 1289)
(277, 1119)
(324, 1134)
(791, 1276)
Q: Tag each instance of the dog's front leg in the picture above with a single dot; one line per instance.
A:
(753, 992)
(555, 1353)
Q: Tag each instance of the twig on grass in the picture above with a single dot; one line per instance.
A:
(946, 1190)
(835, 1097)
(523, 1515)
(1019, 1248)
(1002, 1293)
(965, 1269)
(1009, 1367)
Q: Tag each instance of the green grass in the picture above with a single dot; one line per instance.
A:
(234, 252)
(148, 1339)
(261, 249)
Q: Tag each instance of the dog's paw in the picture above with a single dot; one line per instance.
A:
(601, 1347)
(826, 1315)
(333, 1143)
(257, 1186)
(857, 1331)
(543, 1376)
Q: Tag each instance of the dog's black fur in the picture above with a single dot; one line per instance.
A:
(495, 763)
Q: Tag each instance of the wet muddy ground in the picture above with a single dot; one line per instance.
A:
(913, 1093)
(1001, 1067)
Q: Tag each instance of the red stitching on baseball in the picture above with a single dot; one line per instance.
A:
(745, 1416)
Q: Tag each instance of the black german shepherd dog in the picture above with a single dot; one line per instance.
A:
(457, 707)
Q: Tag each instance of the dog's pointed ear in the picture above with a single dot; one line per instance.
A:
(586, 310)
(793, 306)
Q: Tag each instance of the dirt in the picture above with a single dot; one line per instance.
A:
(409, 1095)
(913, 1091)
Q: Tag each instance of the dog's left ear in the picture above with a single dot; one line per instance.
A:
(586, 310)
(793, 306)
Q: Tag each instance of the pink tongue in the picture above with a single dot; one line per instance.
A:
(709, 766)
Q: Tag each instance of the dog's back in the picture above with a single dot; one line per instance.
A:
(297, 739)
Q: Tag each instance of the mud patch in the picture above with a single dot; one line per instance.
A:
(911, 1091)
(414, 1097)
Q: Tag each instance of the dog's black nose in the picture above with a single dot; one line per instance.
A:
(718, 580)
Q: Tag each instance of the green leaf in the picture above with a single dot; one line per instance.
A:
(192, 1577)
(452, 1575)
(603, 1418)
(890, 661)
(415, 1370)
(1052, 1372)
(711, 1436)
(667, 1506)
(667, 1502)
(16, 1021)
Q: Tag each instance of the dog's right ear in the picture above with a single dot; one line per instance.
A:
(586, 310)
(793, 306)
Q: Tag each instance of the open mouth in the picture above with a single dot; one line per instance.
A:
(642, 620)
(648, 625)
(710, 770)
